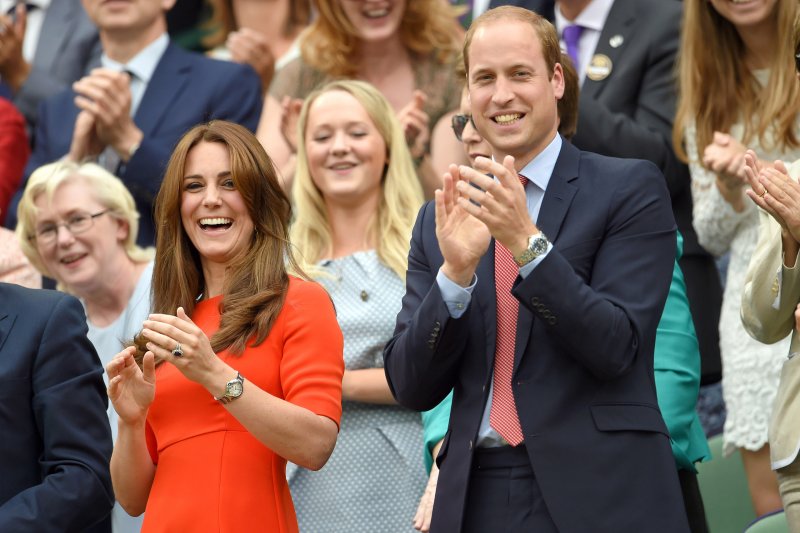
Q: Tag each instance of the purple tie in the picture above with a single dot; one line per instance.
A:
(572, 35)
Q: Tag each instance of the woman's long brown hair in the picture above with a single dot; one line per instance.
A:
(256, 282)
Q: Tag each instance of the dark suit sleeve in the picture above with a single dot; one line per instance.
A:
(69, 405)
(236, 98)
(240, 98)
(421, 361)
(635, 121)
(603, 321)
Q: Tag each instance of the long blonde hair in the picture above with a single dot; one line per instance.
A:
(428, 26)
(106, 188)
(717, 89)
(401, 195)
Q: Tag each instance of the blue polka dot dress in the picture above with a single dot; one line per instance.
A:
(375, 477)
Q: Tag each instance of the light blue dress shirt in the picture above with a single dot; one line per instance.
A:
(458, 298)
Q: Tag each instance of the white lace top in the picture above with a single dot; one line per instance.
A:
(750, 370)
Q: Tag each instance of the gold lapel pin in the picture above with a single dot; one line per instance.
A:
(599, 67)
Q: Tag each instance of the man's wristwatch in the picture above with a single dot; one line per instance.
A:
(537, 245)
(233, 389)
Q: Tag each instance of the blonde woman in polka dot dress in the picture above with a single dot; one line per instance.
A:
(356, 198)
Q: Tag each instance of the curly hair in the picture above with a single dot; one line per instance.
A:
(428, 27)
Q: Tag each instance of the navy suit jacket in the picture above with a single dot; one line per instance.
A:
(630, 114)
(56, 444)
(186, 89)
(583, 371)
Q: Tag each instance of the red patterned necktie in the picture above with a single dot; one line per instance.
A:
(503, 414)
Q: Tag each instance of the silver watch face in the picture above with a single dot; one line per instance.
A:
(539, 245)
(235, 389)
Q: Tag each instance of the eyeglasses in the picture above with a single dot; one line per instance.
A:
(77, 222)
(797, 62)
(459, 122)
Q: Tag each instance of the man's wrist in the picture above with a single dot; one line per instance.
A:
(461, 276)
(129, 146)
(520, 242)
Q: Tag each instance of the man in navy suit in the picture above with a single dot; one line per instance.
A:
(627, 106)
(130, 113)
(536, 301)
(56, 443)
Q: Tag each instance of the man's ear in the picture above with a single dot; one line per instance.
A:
(557, 81)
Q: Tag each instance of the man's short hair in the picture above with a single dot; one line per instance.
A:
(548, 38)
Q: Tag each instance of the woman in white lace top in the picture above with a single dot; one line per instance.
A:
(738, 90)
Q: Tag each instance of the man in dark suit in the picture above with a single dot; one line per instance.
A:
(627, 52)
(537, 304)
(131, 112)
(57, 443)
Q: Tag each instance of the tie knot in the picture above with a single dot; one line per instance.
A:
(572, 34)
(522, 179)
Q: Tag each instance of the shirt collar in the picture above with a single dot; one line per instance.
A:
(539, 170)
(143, 64)
(592, 17)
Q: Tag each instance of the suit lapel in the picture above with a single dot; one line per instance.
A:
(6, 321)
(560, 192)
(555, 205)
(621, 22)
(168, 81)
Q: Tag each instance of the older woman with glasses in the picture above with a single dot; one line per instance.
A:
(78, 224)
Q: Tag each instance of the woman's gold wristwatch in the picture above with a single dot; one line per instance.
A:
(233, 389)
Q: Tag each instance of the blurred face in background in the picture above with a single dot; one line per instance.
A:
(375, 20)
(134, 16)
(474, 145)
(752, 13)
(347, 155)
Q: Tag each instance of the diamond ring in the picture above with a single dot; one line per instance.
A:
(177, 352)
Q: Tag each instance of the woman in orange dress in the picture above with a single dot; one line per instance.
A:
(239, 367)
